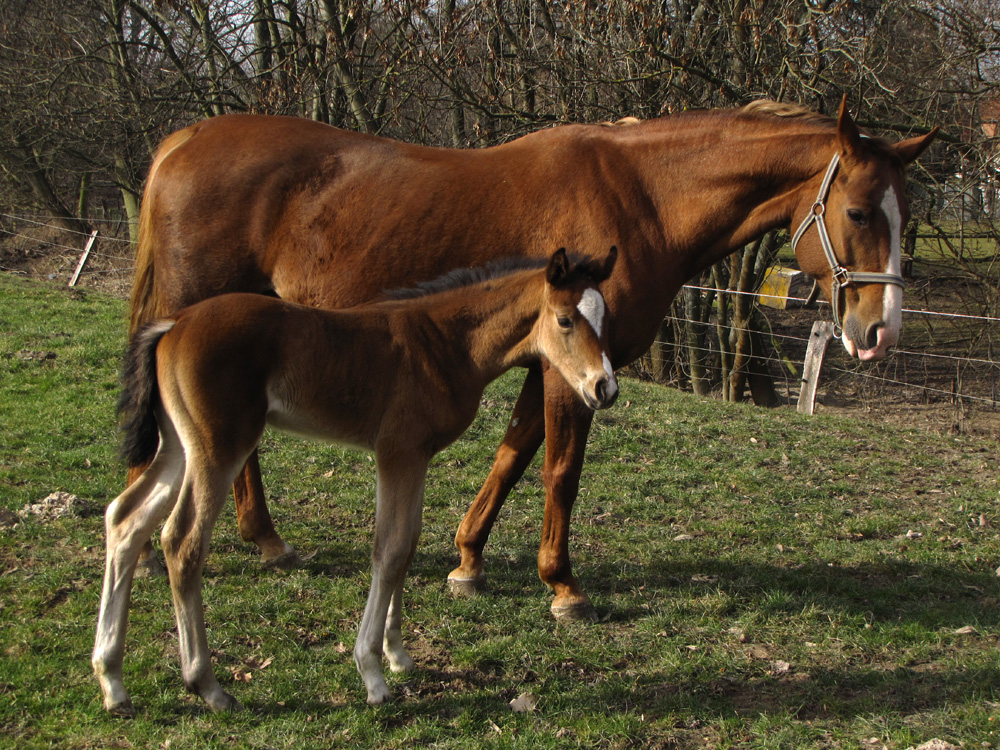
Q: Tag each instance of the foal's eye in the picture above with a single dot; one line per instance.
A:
(858, 216)
(564, 322)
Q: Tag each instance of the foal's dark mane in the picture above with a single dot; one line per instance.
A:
(460, 278)
(463, 277)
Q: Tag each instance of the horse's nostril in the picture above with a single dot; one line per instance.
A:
(871, 335)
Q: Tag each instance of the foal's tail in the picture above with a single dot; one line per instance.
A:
(141, 395)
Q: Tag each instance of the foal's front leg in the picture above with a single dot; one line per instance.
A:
(398, 517)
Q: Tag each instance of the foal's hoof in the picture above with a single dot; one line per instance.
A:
(462, 585)
(578, 612)
(124, 709)
(150, 567)
(224, 703)
(287, 560)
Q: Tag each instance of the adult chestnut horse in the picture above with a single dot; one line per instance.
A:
(330, 218)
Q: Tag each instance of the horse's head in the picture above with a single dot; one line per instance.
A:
(859, 211)
(573, 327)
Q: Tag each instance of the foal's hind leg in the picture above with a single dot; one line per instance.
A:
(129, 521)
(400, 491)
(252, 517)
(149, 565)
(185, 545)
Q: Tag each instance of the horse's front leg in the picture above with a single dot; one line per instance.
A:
(525, 433)
(398, 518)
(567, 423)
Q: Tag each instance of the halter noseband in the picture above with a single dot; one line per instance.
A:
(841, 276)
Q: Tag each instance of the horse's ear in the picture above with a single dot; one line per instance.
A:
(609, 265)
(558, 266)
(847, 131)
(911, 148)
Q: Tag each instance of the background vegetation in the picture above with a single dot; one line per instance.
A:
(90, 87)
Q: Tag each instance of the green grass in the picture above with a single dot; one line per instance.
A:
(753, 571)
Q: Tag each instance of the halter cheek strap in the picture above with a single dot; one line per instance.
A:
(841, 276)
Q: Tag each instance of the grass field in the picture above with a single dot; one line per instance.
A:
(763, 580)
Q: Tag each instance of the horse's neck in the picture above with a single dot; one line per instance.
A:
(717, 192)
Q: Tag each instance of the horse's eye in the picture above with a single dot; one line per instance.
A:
(564, 322)
(858, 216)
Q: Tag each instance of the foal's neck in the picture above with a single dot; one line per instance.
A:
(492, 322)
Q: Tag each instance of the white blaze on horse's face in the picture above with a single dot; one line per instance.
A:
(892, 295)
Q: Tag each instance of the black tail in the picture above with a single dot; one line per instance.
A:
(140, 395)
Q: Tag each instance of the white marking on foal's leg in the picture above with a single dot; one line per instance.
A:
(591, 307)
(392, 641)
(150, 499)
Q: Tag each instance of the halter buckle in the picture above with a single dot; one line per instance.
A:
(841, 275)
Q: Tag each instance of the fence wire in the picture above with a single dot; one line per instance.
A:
(771, 359)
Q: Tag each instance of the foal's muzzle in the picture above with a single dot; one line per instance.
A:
(605, 393)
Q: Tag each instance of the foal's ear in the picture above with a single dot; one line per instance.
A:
(609, 265)
(847, 131)
(558, 266)
(911, 148)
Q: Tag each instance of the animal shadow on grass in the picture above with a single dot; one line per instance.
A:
(941, 599)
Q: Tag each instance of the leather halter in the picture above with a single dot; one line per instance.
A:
(841, 276)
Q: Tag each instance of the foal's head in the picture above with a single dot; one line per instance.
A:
(858, 214)
(573, 327)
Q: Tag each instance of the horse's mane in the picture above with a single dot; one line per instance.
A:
(787, 110)
(463, 277)
(622, 122)
(798, 113)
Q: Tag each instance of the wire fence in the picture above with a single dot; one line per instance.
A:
(911, 373)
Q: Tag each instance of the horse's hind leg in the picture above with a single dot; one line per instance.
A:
(524, 435)
(185, 545)
(400, 490)
(254, 519)
(129, 521)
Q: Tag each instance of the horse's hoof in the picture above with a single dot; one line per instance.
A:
(125, 709)
(150, 567)
(461, 585)
(579, 612)
(287, 560)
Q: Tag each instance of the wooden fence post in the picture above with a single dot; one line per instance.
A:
(822, 332)
(83, 258)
